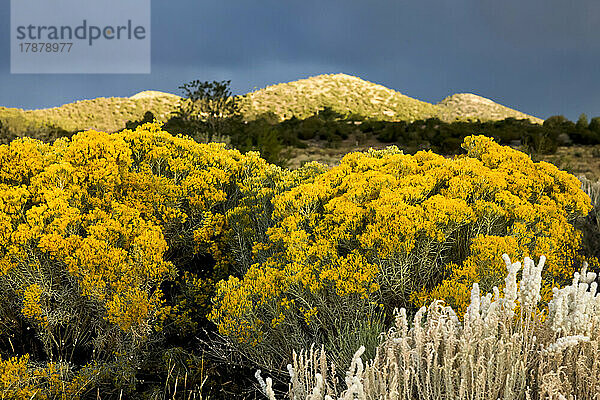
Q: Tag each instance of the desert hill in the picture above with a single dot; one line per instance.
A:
(343, 93)
(106, 114)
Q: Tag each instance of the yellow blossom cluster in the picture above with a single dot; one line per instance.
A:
(19, 379)
(32, 304)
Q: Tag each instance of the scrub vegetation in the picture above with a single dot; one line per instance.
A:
(151, 263)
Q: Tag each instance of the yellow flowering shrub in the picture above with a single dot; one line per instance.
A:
(17, 381)
(69, 232)
(20, 379)
(111, 241)
(388, 228)
(540, 205)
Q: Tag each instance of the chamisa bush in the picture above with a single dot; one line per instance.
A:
(110, 245)
(495, 353)
(383, 230)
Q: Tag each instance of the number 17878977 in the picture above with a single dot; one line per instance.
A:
(45, 47)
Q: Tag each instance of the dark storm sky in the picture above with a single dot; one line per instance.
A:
(539, 56)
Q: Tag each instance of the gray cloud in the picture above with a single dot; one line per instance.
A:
(548, 25)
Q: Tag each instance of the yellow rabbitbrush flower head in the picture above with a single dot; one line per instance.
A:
(31, 304)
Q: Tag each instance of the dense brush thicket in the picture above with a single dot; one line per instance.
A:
(118, 250)
(383, 230)
(110, 244)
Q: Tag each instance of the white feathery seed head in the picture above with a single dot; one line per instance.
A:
(531, 283)
(565, 342)
(574, 308)
(510, 289)
(474, 307)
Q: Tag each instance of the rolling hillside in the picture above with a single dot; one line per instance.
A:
(302, 98)
(349, 94)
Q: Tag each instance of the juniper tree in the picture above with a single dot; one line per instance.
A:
(208, 109)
